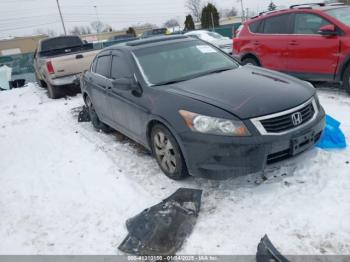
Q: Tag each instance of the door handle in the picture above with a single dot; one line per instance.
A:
(293, 43)
(256, 43)
(79, 56)
(109, 88)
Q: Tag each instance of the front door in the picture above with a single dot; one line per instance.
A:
(311, 55)
(129, 111)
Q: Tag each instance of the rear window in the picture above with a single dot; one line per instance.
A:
(254, 27)
(60, 43)
(277, 25)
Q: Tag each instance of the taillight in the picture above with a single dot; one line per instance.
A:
(49, 67)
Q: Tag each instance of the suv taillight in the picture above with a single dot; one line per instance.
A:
(49, 67)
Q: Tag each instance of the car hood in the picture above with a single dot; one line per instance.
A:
(247, 92)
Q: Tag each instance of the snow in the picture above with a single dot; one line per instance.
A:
(67, 189)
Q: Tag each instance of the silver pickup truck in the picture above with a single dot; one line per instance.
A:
(59, 61)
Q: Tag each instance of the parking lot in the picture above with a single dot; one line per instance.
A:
(66, 189)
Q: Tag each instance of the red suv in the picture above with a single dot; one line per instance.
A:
(311, 42)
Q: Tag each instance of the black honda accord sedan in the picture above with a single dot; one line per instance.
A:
(198, 110)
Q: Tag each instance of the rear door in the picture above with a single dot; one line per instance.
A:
(311, 55)
(270, 43)
(98, 83)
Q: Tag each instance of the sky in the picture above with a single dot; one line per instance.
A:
(25, 17)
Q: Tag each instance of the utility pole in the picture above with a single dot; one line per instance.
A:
(242, 10)
(59, 10)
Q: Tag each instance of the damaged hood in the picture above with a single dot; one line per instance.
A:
(247, 92)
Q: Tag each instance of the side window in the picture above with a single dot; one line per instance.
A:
(276, 25)
(308, 24)
(93, 66)
(254, 27)
(103, 66)
(120, 68)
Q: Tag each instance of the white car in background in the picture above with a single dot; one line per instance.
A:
(222, 42)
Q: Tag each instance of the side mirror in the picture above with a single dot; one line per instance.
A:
(127, 84)
(328, 30)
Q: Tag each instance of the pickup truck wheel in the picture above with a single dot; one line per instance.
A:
(167, 153)
(41, 83)
(95, 120)
(346, 80)
(250, 61)
(53, 91)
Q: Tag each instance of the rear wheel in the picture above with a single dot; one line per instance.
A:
(95, 120)
(250, 61)
(41, 83)
(346, 80)
(167, 153)
(53, 91)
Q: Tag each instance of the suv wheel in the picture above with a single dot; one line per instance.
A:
(96, 122)
(346, 80)
(250, 61)
(167, 153)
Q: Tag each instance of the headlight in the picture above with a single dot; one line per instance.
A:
(213, 125)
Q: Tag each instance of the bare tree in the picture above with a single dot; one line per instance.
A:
(195, 7)
(228, 12)
(81, 30)
(171, 23)
(98, 26)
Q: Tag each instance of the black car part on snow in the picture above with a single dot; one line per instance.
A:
(268, 253)
(84, 115)
(163, 228)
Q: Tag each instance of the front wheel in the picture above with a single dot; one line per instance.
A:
(167, 153)
(346, 80)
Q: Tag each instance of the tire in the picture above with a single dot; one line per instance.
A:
(250, 61)
(346, 80)
(54, 92)
(95, 120)
(167, 153)
(41, 83)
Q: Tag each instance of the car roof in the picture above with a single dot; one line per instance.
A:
(297, 8)
(148, 42)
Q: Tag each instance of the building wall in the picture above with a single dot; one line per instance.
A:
(19, 45)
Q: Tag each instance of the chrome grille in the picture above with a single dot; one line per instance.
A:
(281, 123)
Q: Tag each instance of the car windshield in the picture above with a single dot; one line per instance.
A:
(342, 14)
(163, 64)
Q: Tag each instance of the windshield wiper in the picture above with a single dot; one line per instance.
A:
(170, 82)
(194, 76)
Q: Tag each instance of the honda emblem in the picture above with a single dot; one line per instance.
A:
(297, 118)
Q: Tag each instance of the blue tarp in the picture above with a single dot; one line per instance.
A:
(333, 137)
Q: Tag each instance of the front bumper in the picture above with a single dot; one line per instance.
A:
(66, 80)
(219, 157)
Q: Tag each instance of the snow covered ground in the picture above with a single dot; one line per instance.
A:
(66, 189)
